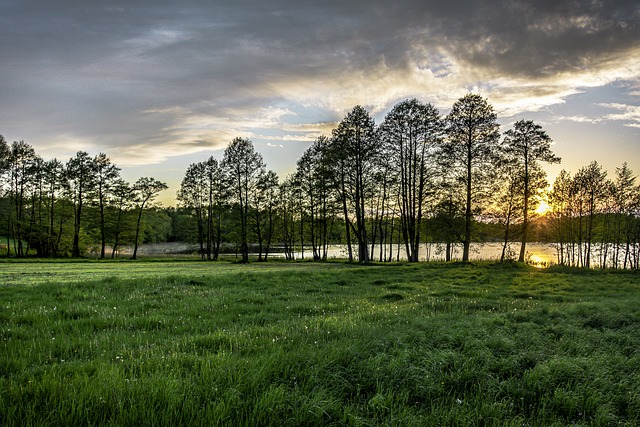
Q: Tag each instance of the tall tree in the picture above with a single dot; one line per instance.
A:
(4, 168)
(266, 195)
(448, 220)
(55, 181)
(192, 195)
(340, 166)
(217, 196)
(286, 213)
(590, 188)
(379, 203)
(626, 196)
(106, 175)
(413, 133)
(313, 175)
(471, 150)
(508, 204)
(526, 145)
(243, 168)
(22, 160)
(36, 235)
(81, 183)
(354, 148)
(145, 190)
(122, 199)
(560, 200)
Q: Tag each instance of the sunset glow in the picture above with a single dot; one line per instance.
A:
(543, 208)
(540, 261)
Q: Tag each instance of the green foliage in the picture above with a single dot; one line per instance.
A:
(471, 153)
(156, 226)
(174, 343)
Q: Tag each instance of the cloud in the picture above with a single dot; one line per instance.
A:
(538, 40)
(626, 113)
(146, 81)
(579, 119)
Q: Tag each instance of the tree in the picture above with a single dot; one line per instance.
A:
(508, 204)
(576, 205)
(286, 213)
(412, 133)
(203, 192)
(313, 177)
(353, 150)
(192, 195)
(217, 196)
(4, 168)
(379, 202)
(590, 188)
(21, 161)
(448, 219)
(471, 151)
(526, 145)
(561, 202)
(243, 168)
(122, 198)
(145, 190)
(37, 236)
(266, 196)
(626, 196)
(55, 180)
(106, 175)
(81, 182)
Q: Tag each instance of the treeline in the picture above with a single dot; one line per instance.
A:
(417, 177)
(53, 209)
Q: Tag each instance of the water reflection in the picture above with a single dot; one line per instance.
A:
(538, 254)
(540, 261)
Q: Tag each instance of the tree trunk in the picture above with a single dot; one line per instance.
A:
(135, 244)
(467, 215)
(525, 219)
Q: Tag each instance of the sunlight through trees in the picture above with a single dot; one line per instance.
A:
(414, 184)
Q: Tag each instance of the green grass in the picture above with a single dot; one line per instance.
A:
(194, 343)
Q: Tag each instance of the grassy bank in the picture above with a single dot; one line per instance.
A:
(175, 343)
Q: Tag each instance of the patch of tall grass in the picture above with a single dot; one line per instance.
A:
(317, 344)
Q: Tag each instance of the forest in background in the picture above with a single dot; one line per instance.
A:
(416, 178)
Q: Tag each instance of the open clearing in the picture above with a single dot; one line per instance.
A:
(177, 342)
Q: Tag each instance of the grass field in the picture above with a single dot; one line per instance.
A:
(194, 343)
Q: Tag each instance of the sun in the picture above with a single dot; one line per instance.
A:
(543, 208)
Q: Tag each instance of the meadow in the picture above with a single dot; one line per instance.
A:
(170, 343)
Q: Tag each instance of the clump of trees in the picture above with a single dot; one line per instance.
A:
(417, 178)
(594, 220)
(52, 209)
(418, 182)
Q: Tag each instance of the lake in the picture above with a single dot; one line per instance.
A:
(538, 254)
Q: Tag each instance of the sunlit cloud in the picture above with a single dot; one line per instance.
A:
(627, 113)
(149, 83)
(66, 146)
(579, 119)
(270, 145)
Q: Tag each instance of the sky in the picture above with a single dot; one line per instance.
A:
(157, 85)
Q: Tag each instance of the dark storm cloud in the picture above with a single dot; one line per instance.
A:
(148, 72)
(541, 39)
